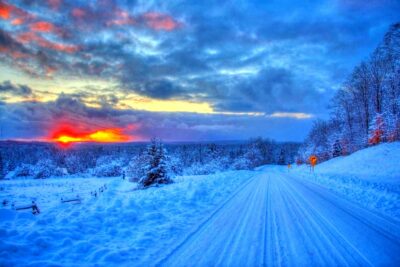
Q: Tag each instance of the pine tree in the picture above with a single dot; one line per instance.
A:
(156, 168)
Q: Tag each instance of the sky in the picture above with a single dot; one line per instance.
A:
(180, 70)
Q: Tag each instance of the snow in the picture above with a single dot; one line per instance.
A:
(370, 177)
(346, 213)
(378, 164)
(279, 220)
(120, 226)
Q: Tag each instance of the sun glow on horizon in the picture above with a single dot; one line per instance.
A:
(66, 136)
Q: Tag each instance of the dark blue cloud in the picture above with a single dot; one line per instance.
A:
(160, 89)
(15, 89)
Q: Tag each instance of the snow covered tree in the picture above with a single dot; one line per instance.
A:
(175, 165)
(281, 158)
(156, 167)
(136, 167)
(366, 109)
(46, 168)
(254, 155)
(241, 163)
(73, 164)
(336, 148)
(392, 123)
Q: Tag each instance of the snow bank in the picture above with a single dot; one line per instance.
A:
(378, 163)
(370, 177)
(119, 227)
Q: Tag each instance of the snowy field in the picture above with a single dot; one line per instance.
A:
(120, 226)
(47, 193)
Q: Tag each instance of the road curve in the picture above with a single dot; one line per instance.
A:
(278, 220)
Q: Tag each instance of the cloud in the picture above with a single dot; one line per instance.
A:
(15, 89)
(271, 90)
(5, 10)
(9, 11)
(35, 120)
(159, 21)
(7, 41)
(160, 89)
(244, 57)
(54, 4)
(32, 37)
(121, 17)
(78, 13)
(296, 115)
(42, 26)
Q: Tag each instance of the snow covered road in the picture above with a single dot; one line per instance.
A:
(277, 219)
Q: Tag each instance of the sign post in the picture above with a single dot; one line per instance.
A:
(313, 161)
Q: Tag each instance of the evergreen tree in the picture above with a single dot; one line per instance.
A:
(156, 168)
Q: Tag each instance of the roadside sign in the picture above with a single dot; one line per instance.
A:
(313, 160)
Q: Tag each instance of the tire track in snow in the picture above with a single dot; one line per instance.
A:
(381, 248)
(237, 228)
(245, 221)
(201, 226)
(326, 239)
(272, 248)
(277, 220)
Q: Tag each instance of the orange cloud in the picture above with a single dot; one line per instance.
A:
(42, 26)
(8, 11)
(27, 37)
(31, 37)
(5, 11)
(17, 21)
(159, 21)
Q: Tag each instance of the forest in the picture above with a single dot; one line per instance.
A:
(366, 109)
(44, 160)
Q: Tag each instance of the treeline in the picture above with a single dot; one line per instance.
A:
(43, 160)
(366, 109)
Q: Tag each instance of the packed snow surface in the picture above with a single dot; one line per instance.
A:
(339, 215)
(277, 219)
